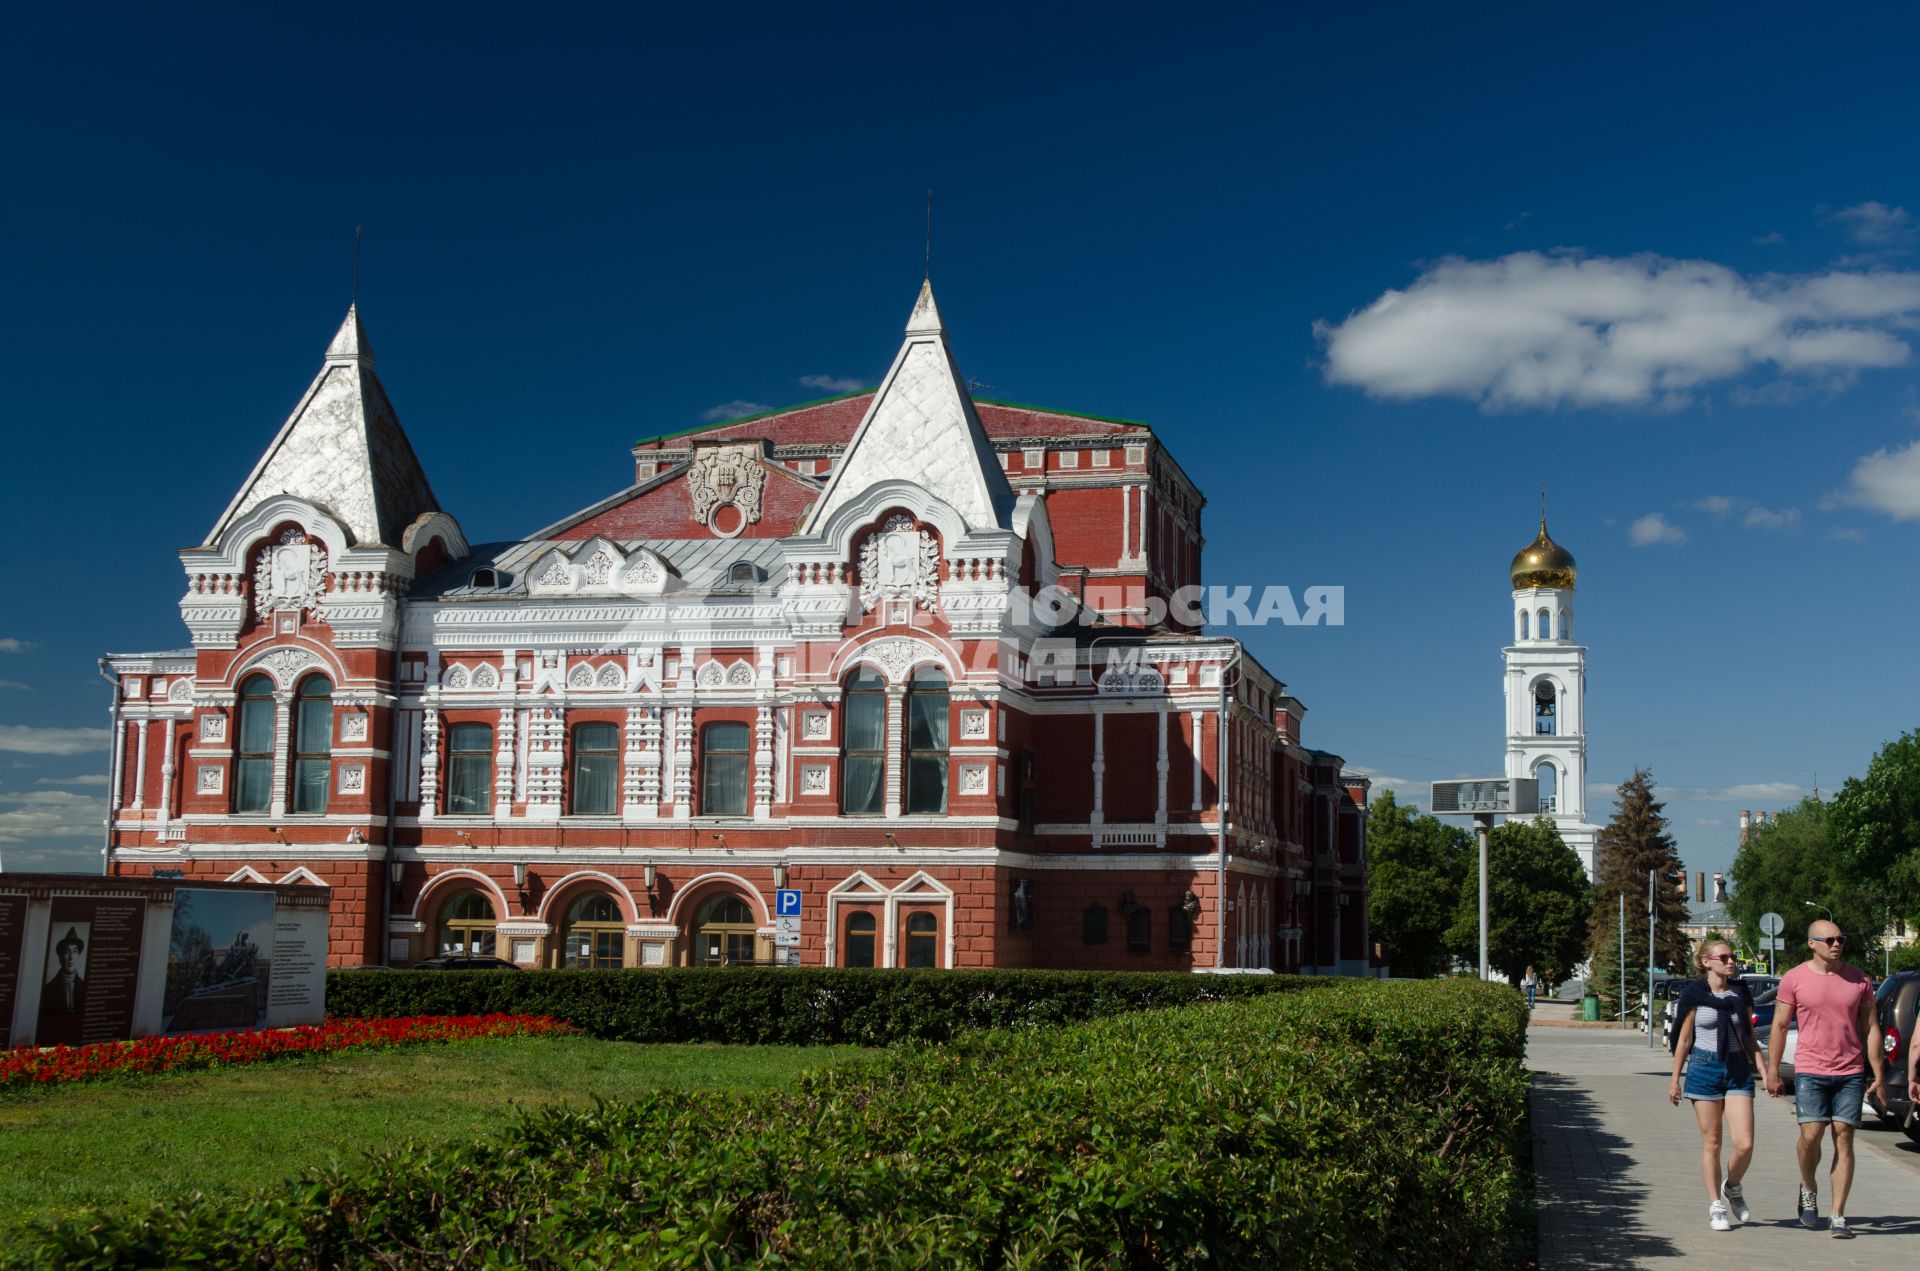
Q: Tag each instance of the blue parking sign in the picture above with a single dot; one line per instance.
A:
(786, 902)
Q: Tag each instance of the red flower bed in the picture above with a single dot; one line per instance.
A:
(29, 1067)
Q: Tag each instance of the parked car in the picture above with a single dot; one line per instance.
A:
(464, 962)
(1897, 1003)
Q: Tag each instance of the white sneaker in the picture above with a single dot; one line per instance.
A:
(1737, 1202)
(1717, 1216)
(1809, 1208)
(1840, 1229)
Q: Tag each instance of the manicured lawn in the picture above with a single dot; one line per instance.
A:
(233, 1130)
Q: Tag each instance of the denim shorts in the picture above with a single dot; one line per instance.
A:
(1712, 1078)
(1821, 1099)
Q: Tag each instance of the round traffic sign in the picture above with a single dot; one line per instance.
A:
(1772, 924)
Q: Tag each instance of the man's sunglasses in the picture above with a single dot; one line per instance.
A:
(1828, 939)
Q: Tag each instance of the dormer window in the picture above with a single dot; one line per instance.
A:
(743, 571)
(485, 579)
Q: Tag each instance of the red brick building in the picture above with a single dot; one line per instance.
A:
(925, 660)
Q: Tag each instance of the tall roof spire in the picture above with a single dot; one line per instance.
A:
(921, 428)
(343, 450)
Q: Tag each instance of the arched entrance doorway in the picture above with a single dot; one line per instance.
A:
(595, 934)
(466, 925)
(723, 932)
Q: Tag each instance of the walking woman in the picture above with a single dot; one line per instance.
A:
(1531, 983)
(1715, 1044)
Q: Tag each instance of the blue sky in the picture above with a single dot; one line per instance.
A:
(1374, 275)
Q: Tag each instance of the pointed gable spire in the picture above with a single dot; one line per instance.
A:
(350, 342)
(921, 428)
(343, 450)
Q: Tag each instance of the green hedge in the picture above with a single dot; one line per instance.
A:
(1366, 1125)
(787, 1006)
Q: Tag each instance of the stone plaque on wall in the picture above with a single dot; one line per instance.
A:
(93, 970)
(13, 930)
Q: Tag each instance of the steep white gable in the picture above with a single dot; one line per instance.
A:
(343, 450)
(922, 428)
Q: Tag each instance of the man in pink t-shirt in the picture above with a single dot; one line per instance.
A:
(1839, 1040)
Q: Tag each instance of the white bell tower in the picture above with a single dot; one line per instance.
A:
(1546, 684)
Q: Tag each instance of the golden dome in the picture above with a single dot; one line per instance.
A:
(1543, 563)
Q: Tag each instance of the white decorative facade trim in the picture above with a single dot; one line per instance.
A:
(726, 476)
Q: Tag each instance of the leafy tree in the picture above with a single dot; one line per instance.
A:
(1537, 903)
(1632, 843)
(1876, 826)
(1792, 867)
(1417, 865)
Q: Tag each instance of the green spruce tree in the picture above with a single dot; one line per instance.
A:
(1632, 843)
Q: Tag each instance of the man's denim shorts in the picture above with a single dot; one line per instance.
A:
(1712, 1079)
(1822, 1099)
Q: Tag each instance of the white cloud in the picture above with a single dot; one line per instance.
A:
(10, 645)
(85, 779)
(1887, 481)
(1767, 519)
(1534, 330)
(1714, 504)
(1845, 534)
(1772, 239)
(24, 688)
(1874, 224)
(733, 410)
(44, 814)
(1654, 528)
(1405, 790)
(25, 739)
(833, 383)
(1770, 793)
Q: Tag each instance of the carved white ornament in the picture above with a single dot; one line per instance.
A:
(896, 655)
(180, 691)
(973, 724)
(211, 778)
(1119, 681)
(556, 574)
(580, 677)
(973, 778)
(485, 677)
(133, 686)
(815, 726)
(456, 677)
(353, 779)
(740, 674)
(722, 475)
(353, 727)
(643, 571)
(213, 728)
(285, 663)
(813, 779)
(710, 675)
(900, 562)
(611, 677)
(599, 569)
(290, 574)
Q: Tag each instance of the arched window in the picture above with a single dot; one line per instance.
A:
(863, 743)
(1525, 626)
(1543, 709)
(596, 769)
(1549, 778)
(723, 769)
(466, 925)
(595, 934)
(923, 939)
(469, 769)
(313, 743)
(1544, 627)
(860, 932)
(1566, 625)
(927, 741)
(723, 932)
(253, 764)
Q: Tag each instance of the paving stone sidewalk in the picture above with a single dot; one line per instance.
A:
(1619, 1170)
